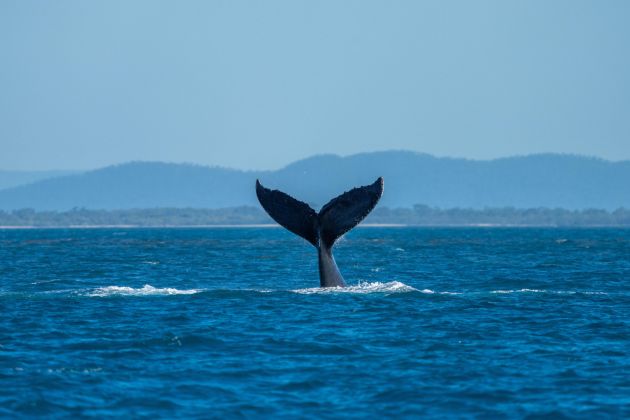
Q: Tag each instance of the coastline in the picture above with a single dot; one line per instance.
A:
(273, 226)
(259, 225)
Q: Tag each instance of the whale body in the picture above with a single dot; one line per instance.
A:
(322, 229)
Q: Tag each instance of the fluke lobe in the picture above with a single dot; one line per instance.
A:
(322, 229)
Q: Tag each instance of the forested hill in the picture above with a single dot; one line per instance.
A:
(566, 181)
(9, 179)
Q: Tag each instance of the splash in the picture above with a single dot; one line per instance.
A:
(146, 290)
(363, 288)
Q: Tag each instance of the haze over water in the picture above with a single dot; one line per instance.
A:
(259, 85)
(216, 322)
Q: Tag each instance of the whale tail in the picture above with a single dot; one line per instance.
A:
(322, 229)
(336, 218)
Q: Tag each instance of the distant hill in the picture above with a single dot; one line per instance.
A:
(571, 182)
(10, 179)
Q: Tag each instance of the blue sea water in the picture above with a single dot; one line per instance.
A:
(220, 322)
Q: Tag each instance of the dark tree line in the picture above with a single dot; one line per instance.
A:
(135, 217)
(504, 216)
(418, 215)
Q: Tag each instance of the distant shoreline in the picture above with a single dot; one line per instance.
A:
(259, 225)
(273, 226)
(252, 217)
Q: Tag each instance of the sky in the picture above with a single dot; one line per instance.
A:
(259, 84)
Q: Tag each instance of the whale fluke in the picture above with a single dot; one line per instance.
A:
(292, 214)
(343, 213)
(322, 229)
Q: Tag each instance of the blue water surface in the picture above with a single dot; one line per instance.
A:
(228, 322)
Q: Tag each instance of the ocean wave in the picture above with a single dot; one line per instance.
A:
(360, 288)
(146, 290)
(365, 287)
(518, 291)
(558, 292)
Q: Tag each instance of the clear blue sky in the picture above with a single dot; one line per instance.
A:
(259, 84)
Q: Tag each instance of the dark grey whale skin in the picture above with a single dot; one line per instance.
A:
(322, 229)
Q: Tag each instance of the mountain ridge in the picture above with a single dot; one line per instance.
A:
(541, 180)
(10, 179)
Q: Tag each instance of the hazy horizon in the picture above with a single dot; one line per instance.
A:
(259, 85)
(553, 181)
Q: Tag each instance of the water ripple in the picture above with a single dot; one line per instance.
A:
(470, 323)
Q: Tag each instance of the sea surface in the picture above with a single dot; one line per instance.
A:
(230, 323)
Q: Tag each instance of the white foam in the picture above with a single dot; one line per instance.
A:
(559, 292)
(364, 287)
(519, 291)
(146, 290)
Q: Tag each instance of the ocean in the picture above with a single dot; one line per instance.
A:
(230, 323)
